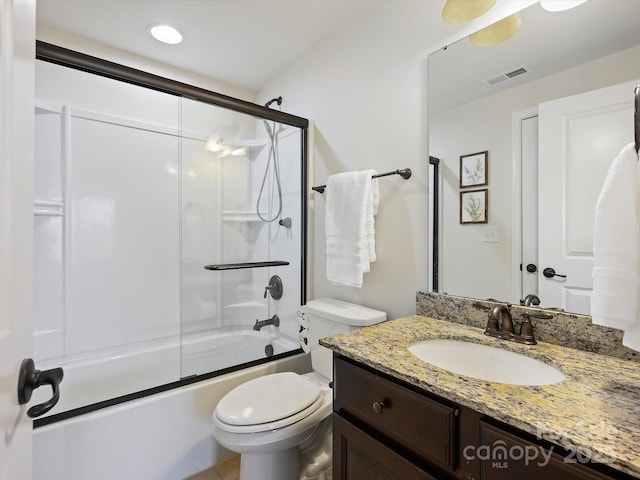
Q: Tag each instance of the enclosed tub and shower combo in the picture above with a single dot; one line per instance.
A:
(169, 233)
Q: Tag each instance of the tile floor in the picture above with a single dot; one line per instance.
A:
(226, 470)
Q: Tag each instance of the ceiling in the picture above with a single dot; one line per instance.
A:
(241, 42)
(547, 43)
(246, 43)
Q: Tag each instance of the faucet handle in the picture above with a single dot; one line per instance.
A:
(544, 316)
(526, 331)
(480, 306)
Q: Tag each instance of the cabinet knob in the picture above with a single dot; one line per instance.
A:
(378, 406)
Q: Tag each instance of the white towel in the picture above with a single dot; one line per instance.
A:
(352, 202)
(616, 249)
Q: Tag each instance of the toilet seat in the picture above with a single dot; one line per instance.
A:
(268, 403)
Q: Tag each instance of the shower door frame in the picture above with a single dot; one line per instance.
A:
(79, 61)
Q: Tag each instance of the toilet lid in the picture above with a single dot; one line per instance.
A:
(267, 399)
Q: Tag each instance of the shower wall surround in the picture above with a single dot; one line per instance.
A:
(129, 207)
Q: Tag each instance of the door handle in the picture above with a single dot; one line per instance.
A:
(29, 379)
(550, 273)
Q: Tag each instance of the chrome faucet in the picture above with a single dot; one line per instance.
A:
(275, 321)
(530, 299)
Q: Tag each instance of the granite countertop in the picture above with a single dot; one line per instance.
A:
(595, 411)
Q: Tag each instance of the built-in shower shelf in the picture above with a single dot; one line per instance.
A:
(242, 216)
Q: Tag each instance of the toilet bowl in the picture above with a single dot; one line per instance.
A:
(266, 419)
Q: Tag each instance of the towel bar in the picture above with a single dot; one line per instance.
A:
(404, 173)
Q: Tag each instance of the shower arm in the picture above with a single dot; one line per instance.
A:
(277, 100)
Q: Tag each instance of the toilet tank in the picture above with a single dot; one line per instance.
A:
(325, 317)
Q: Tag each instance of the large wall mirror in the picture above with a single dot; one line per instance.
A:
(551, 107)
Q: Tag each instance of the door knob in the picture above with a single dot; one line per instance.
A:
(550, 273)
(29, 379)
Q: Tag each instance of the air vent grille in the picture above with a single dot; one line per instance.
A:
(516, 72)
(506, 76)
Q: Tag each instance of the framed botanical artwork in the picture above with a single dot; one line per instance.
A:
(473, 169)
(473, 206)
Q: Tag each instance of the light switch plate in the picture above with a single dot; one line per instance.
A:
(490, 235)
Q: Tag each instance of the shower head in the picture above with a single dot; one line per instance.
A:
(277, 100)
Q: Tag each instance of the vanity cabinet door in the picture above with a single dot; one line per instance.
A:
(511, 457)
(358, 456)
(421, 424)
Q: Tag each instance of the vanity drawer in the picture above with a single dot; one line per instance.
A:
(420, 424)
(506, 456)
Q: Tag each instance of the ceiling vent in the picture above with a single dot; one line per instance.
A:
(506, 76)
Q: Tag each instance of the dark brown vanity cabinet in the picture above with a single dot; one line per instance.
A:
(384, 429)
(359, 456)
(515, 457)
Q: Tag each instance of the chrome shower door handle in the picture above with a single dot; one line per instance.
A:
(29, 379)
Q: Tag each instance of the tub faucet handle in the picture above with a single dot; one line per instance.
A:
(274, 288)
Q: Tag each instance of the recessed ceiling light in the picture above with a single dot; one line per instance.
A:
(165, 34)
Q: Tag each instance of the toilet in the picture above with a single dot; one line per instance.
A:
(268, 418)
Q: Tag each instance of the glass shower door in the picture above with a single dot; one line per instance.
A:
(241, 238)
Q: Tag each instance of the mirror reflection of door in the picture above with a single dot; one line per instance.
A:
(529, 270)
(579, 136)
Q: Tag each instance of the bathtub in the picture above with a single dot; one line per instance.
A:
(94, 377)
(165, 436)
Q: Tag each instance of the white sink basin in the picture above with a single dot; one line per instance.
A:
(485, 362)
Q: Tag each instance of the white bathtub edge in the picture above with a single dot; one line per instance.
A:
(164, 436)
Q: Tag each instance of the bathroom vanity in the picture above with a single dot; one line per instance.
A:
(397, 417)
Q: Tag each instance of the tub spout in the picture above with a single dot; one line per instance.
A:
(275, 321)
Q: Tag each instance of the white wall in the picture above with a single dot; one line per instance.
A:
(458, 131)
(365, 89)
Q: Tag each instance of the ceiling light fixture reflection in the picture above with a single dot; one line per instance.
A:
(239, 152)
(498, 32)
(166, 34)
(459, 11)
(560, 5)
(214, 145)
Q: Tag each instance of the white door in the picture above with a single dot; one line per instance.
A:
(579, 136)
(17, 51)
